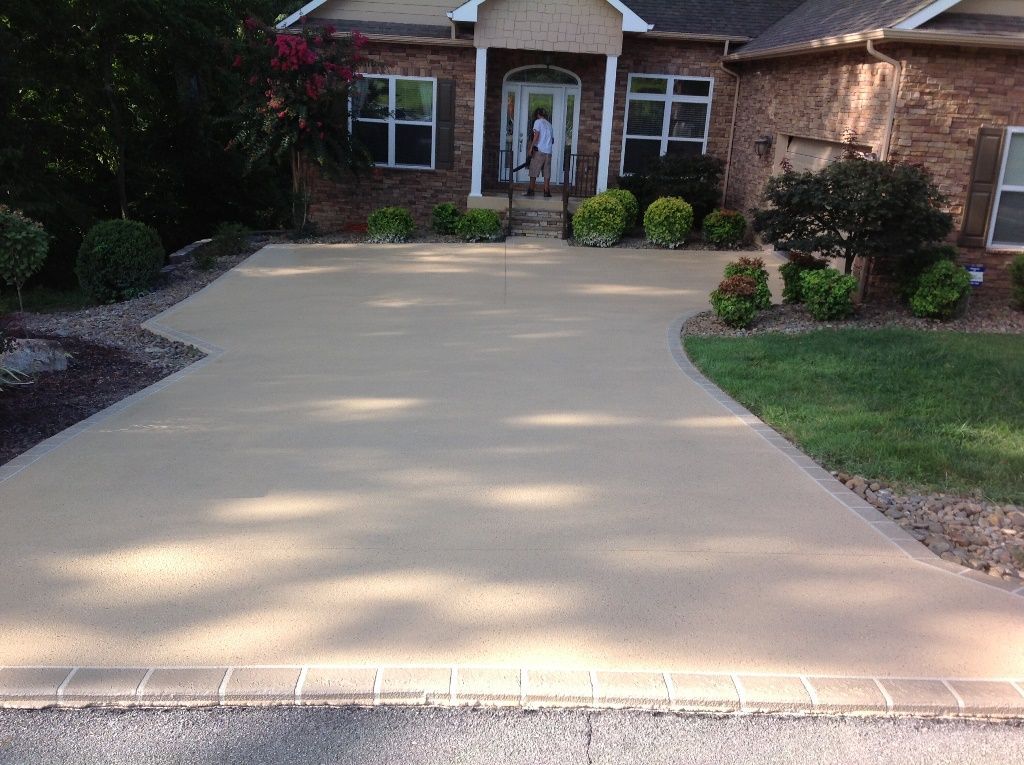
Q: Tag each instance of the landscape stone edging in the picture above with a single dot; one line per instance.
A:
(455, 686)
(883, 525)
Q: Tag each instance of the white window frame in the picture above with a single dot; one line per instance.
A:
(1000, 188)
(391, 121)
(668, 99)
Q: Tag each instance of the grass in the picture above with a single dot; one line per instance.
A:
(43, 300)
(923, 410)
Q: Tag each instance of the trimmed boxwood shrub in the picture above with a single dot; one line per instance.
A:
(599, 221)
(798, 263)
(1017, 280)
(827, 293)
(942, 291)
(754, 268)
(628, 201)
(389, 224)
(907, 270)
(23, 246)
(444, 217)
(479, 226)
(724, 228)
(118, 260)
(668, 221)
(735, 300)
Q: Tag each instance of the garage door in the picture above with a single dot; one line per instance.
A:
(808, 153)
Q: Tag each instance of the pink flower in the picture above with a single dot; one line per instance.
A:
(237, 63)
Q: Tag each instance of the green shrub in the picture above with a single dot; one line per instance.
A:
(724, 228)
(735, 300)
(479, 226)
(204, 257)
(119, 259)
(1017, 281)
(599, 221)
(389, 224)
(23, 246)
(668, 221)
(754, 268)
(798, 263)
(942, 291)
(907, 270)
(629, 203)
(444, 217)
(827, 293)
(697, 179)
(229, 239)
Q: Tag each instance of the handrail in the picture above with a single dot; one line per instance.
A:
(511, 191)
(565, 197)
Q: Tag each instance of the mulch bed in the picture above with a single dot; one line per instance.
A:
(112, 356)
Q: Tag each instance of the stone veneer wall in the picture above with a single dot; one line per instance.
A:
(946, 95)
(647, 56)
(337, 206)
(572, 26)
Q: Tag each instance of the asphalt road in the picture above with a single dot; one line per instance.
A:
(457, 737)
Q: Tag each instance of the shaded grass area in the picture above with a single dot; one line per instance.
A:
(43, 300)
(924, 410)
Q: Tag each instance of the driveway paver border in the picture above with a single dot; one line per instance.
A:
(443, 686)
(884, 526)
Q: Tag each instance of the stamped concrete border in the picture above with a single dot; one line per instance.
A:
(884, 526)
(455, 686)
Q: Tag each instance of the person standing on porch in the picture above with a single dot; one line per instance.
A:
(542, 140)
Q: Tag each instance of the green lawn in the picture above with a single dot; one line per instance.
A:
(926, 410)
(42, 300)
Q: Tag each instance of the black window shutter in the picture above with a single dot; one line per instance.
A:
(444, 157)
(984, 177)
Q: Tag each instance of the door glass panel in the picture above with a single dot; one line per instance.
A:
(639, 153)
(510, 118)
(570, 122)
(648, 85)
(700, 88)
(414, 100)
(1009, 227)
(537, 101)
(688, 120)
(1015, 161)
(646, 118)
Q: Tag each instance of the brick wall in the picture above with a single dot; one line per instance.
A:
(946, 95)
(574, 26)
(646, 56)
(336, 206)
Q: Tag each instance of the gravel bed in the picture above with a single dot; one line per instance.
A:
(982, 535)
(998, 319)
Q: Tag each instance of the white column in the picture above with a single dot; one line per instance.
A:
(479, 97)
(607, 115)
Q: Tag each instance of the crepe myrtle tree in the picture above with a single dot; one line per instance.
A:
(855, 207)
(295, 102)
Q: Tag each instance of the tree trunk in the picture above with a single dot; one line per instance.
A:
(117, 129)
(300, 190)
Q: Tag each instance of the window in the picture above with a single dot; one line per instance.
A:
(394, 118)
(665, 115)
(1007, 230)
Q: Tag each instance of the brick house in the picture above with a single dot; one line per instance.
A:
(937, 82)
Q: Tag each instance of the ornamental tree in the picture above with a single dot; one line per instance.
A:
(854, 207)
(295, 102)
(23, 246)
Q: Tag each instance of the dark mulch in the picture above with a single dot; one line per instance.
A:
(97, 377)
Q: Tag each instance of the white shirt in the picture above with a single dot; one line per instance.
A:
(545, 136)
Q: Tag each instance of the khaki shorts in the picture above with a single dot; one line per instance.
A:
(540, 165)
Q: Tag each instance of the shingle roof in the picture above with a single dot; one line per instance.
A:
(384, 27)
(817, 19)
(981, 23)
(723, 18)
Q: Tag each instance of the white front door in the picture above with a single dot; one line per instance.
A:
(521, 101)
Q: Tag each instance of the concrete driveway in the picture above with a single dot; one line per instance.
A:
(473, 455)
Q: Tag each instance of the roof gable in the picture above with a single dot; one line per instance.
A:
(631, 22)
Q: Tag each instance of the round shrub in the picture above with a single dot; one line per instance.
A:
(599, 221)
(754, 268)
(444, 217)
(668, 221)
(735, 300)
(942, 291)
(118, 260)
(827, 293)
(23, 246)
(629, 203)
(724, 228)
(479, 226)
(1017, 281)
(798, 263)
(389, 224)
